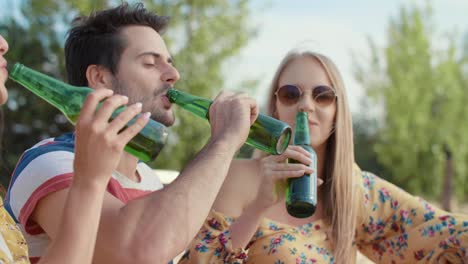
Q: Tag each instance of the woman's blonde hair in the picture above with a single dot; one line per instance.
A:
(340, 193)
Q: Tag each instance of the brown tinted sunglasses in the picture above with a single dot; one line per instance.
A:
(322, 95)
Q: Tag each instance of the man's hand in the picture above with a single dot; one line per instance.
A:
(231, 116)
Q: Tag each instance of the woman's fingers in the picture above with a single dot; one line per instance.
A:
(293, 152)
(104, 113)
(319, 182)
(128, 133)
(121, 120)
(91, 102)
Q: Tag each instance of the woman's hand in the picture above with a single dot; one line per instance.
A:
(99, 142)
(275, 171)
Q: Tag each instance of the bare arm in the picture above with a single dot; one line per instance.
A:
(273, 172)
(248, 192)
(76, 237)
(155, 228)
(77, 232)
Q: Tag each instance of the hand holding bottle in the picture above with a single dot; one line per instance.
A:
(266, 133)
(231, 116)
(275, 171)
(100, 142)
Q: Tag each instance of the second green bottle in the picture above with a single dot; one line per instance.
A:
(267, 133)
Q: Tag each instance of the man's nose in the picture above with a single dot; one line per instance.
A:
(170, 75)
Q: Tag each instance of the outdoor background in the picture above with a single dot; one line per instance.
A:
(405, 64)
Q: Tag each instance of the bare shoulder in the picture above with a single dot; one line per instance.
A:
(239, 188)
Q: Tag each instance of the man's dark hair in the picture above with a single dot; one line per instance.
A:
(96, 39)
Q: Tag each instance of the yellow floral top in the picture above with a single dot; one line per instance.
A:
(398, 228)
(13, 248)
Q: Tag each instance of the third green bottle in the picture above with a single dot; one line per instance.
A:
(301, 193)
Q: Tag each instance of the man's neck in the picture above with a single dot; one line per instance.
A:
(127, 167)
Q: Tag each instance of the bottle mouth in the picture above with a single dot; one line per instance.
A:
(13, 70)
(283, 140)
(171, 94)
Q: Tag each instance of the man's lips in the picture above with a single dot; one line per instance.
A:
(166, 103)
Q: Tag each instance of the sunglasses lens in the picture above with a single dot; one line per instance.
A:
(323, 95)
(289, 94)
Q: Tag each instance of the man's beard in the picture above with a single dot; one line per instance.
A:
(157, 114)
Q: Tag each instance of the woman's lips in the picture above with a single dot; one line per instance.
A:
(4, 71)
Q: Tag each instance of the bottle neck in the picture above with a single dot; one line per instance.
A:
(67, 98)
(301, 132)
(197, 105)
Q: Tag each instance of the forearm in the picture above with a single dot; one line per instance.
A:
(168, 220)
(76, 237)
(245, 226)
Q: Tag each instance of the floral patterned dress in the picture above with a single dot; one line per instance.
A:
(13, 248)
(399, 228)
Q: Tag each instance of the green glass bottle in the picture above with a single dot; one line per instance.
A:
(69, 99)
(301, 193)
(267, 134)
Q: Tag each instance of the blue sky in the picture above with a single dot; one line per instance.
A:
(335, 28)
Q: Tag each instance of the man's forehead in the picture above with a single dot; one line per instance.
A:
(144, 40)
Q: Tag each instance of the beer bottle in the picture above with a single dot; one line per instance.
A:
(301, 193)
(69, 99)
(267, 134)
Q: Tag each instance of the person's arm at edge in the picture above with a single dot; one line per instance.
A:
(76, 237)
(77, 233)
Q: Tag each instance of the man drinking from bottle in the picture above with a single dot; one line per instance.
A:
(142, 222)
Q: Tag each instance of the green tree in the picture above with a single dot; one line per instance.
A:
(201, 36)
(365, 130)
(422, 91)
(205, 34)
(36, 40)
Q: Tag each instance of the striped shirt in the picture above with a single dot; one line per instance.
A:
(47, 167)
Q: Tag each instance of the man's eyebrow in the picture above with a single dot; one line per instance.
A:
(155, 55)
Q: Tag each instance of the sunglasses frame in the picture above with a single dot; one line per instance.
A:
(302, 92)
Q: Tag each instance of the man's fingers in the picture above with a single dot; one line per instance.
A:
(253, 110)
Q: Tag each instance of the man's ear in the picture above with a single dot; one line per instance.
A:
(98, 77)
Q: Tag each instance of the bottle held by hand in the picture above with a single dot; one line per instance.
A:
(301, 193)
(267, 133)
(69, 99)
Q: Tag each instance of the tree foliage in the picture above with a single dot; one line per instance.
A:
(423, 91)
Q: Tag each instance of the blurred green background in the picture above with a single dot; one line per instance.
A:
(410, 128)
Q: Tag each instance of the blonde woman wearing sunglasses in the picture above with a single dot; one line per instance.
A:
(93, 168)
(356, 210)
